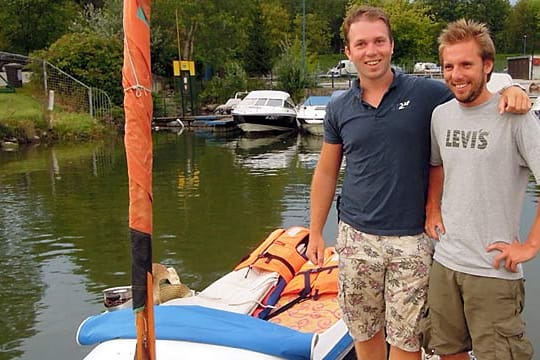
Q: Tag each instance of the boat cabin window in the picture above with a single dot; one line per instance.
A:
(269, 102)
(289, 104)
(275, 102)
(250, 101)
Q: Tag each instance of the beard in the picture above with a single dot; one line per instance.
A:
(473, 94)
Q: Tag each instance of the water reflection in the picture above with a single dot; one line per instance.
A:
(264, 155)
(64, 234)
(42, 227)
(19, 270)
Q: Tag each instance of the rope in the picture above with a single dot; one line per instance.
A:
(137, 87)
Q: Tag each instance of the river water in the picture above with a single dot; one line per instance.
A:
(64, 234)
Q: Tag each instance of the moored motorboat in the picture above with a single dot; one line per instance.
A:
(266, 111)
(311, 114)
(274, 305)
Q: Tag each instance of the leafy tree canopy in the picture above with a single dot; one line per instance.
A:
(34, 24)
(103, 21)
(289, 70)
(523, 27)
(493, 13)
(258, 55)
(317, 32)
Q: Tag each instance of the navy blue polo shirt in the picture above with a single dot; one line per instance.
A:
(386, 153)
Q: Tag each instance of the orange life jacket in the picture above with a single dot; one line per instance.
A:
(282, 251)
(311, 282)
(316, 280)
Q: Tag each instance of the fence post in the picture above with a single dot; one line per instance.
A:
(90, 102)
(44, 76)
(50, 108)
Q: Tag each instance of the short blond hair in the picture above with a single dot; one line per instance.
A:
(370, 13)
(464, 30)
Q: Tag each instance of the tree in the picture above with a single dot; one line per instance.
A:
(174, 25)
(522, 27)
(289, 70)
(205, 31)
(29, 25)
(318, 33)
(103, 21)
(222, 36)
(258, 55)
(493, 13)
(277, 21)
(331, 12)
(447, 11)
(95, 3)
(413, 30)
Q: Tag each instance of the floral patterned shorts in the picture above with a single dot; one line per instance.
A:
(383, 280)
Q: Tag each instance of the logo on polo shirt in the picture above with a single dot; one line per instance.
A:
(403, 105)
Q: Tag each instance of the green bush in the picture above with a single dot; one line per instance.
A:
(224, 86)
(95, 60)
(291, 77)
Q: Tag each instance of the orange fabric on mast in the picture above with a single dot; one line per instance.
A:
(137, 82)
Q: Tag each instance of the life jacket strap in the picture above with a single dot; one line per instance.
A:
(269, 256)
(286, 307)
(306, 292)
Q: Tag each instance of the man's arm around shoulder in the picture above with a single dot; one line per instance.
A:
(514, 99)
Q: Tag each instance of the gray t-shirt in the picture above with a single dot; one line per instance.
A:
(486, 159)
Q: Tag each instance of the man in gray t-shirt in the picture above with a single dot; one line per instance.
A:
(480, 168)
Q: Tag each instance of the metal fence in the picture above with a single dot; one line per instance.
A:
(75, 95)
(69, 92)
(174, 102)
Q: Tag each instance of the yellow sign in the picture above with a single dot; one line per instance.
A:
(179, 66)
(176, 68)
(188, 66)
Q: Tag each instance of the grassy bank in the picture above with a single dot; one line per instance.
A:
(24, 118)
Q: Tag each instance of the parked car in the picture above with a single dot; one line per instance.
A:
(343, 68)
(426, 68)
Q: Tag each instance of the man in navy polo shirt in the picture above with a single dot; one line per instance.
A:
(382, 127)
